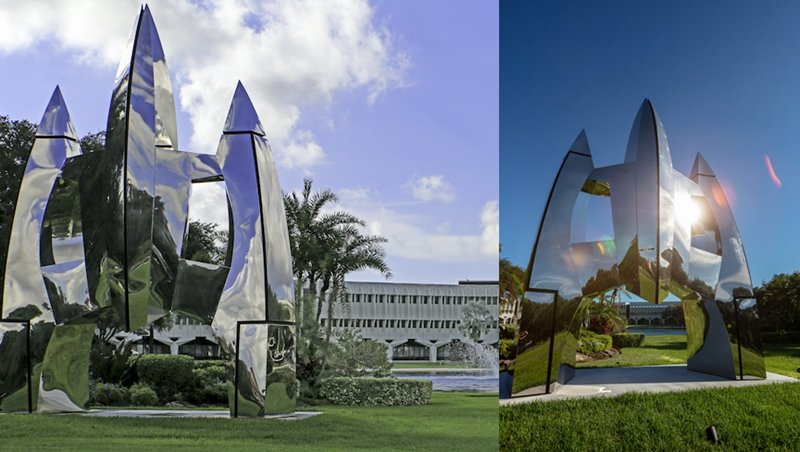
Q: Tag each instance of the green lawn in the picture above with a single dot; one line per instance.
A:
(658, 350)
(748, 418)
(452, 421)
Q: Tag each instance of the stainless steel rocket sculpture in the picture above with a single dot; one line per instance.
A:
(100, 237)
(673, 234)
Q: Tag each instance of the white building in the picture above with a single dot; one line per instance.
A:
(415, 321)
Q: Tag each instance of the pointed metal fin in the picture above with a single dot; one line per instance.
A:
(700, 168)
(242, 116)
(581, 144)
(56, 121)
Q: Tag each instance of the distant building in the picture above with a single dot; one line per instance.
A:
(415, 321)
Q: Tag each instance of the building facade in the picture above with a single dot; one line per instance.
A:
(415, 321)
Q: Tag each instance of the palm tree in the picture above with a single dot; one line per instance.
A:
(353, 251)
(311, 234)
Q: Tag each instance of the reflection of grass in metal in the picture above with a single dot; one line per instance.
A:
(530, 367)
(66, 362)
(277, 401)
(760, 417)
(18, 400)
(695, 324)
(752, 364)
(657, 350)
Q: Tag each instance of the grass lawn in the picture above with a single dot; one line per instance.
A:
(452, 421)
(749, 418)
(658, 350)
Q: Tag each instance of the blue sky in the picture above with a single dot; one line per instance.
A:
(724, 78)
(393, 105)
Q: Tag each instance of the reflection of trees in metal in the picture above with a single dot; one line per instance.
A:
(97, 237)
(673, 234)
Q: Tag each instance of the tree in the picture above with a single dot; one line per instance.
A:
(326, 246)
(476, 319)
(779, 303)
(206, 243)
(354, 356)
(350, 251)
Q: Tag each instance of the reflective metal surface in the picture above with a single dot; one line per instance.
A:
(102, 234)
(672, 234)
(259, 283)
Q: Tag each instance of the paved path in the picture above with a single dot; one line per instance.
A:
(618, 380)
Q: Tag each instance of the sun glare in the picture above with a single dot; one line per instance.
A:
(686, 210)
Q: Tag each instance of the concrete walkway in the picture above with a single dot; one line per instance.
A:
(618, 380)
(297, 416)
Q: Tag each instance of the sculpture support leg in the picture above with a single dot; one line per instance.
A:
(64, 385)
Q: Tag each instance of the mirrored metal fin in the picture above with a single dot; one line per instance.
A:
(144, 56)
(56, 121)
(648, 137)
(242, 116)
(581, 144)
(700, 168)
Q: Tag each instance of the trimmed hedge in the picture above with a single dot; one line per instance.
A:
(590, 342)
(620, 340)
(367, 391)
(167, 374)
(785, 337)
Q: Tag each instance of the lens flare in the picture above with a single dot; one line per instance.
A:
(771, 170)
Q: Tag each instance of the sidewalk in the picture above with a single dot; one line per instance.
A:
(618, 380)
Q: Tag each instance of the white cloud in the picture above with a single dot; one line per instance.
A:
(410, 236)
(289, 54)
(432, 188)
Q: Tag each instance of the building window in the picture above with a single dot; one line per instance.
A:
(369, 298)
(411, 350)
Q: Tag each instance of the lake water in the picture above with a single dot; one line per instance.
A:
(452, 382)
(658, 331)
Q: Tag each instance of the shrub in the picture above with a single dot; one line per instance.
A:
(109, 394)
(208, 385)
(143, 395)
(354, 356)
(592, 342)
(167, 374)
(508, 349)
(508, 331)
(783, 337)
(621, 340)
(366, 391)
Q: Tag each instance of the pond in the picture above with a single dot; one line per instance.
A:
(456, 381)
(657, 331)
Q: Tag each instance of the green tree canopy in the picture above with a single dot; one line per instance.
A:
(779, 302)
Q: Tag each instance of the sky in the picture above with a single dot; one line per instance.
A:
(392, 105)
(723, 77)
